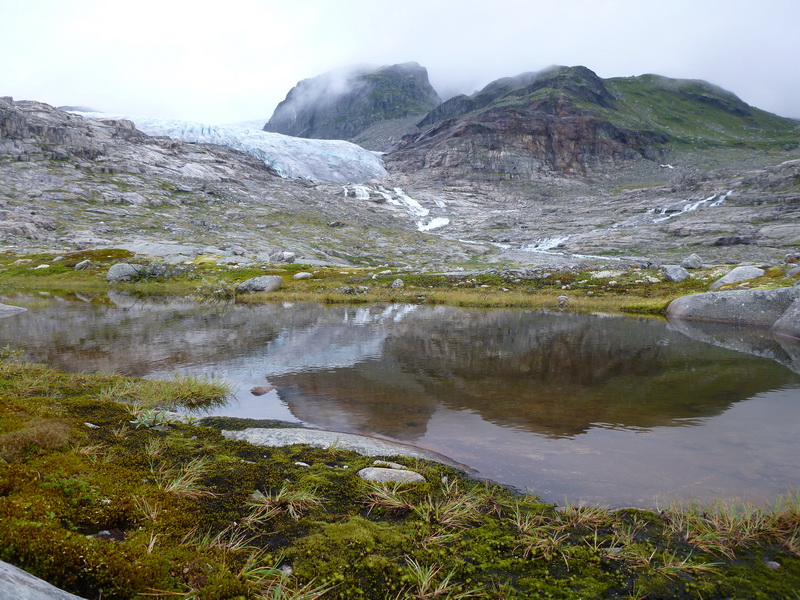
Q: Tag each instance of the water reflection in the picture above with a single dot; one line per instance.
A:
(604, 408)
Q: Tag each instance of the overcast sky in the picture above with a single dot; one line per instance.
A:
(234, 60)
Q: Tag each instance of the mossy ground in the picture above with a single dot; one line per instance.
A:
(628, 289)
(103, 503)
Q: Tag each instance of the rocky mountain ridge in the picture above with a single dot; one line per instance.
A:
(343, 105)
(585, 191)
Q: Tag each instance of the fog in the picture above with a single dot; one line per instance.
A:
(235, 61)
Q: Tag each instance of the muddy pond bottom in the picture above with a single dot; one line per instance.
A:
(581, 408)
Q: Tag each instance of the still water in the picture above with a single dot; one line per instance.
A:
(610, 410)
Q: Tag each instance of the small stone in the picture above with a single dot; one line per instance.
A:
(92, 426)
(794, 272)
(397, 283)
(84, 264)
(303, 275)
(386, 475)
(386, 272)
(387, 464)
(301, 464)
(774, 565)
(260, 390)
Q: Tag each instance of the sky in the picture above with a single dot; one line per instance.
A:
(235, 60)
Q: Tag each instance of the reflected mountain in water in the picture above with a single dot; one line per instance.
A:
(387, 370)
(557, 374)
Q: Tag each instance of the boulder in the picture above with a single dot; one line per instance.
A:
(264, 283)
(84, 264)
(789, 323)
(675, 273)
(693, 261)
(303, 275)
(793, 272)
(123, 272)
(736, 275)
(397, 283)
(390, 475)
(761, 308)
(16, 583)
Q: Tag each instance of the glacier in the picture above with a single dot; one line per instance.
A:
(334, 161)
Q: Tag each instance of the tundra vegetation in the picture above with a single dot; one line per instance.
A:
(628, 288)
(108, 491)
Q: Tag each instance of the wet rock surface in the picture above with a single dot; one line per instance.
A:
(368, 446)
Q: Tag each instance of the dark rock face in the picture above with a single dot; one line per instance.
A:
(337, 106)
(521, 127)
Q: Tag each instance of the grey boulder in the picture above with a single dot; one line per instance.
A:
(736, 275)
(693, 261)
(761, 308)
(675, 273)
(84, 264)
(397, 283)
(303, 275)
(264, 283)
(789, 323)
(123, 272)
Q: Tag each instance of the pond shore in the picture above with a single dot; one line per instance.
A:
(103, 488)
(106, 492)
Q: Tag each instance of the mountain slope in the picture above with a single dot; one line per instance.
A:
(568, 121)
(336, 106)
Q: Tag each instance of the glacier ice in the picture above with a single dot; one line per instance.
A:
(296, 158)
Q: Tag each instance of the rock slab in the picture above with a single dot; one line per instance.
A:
(364, 445)
(16, 584)
(736, 275)
(385, 475)
(759, 308)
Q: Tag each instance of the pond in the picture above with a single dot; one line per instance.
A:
(596, 408)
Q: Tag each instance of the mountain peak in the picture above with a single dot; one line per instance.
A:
(342, 104)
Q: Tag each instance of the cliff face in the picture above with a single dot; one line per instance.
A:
(336, 106)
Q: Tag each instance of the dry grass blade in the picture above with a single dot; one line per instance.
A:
(387, 496)
(294, 503)
(183, 480)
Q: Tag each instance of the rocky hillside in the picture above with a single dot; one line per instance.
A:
(568, 121)
(342, 106)
(68, 181)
